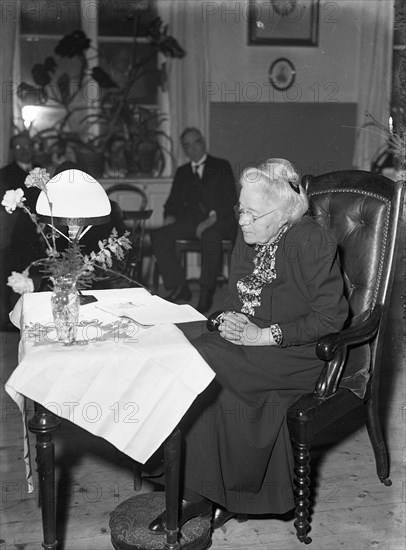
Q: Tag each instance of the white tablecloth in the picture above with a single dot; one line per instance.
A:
(129, 384)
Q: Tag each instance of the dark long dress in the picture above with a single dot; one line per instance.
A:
(237, 448)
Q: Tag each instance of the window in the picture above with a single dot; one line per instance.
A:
(44, 22)
(111, 26)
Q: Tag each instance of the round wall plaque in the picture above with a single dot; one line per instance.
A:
(282, 74)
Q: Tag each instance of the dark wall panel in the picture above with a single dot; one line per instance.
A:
(314, 136)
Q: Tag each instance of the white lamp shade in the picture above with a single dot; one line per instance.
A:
(76, 198)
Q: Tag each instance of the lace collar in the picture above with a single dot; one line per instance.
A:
(250, 287)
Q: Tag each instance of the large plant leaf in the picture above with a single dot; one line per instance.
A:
(63, 83)
(41, 75)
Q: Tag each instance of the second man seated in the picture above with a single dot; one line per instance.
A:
(199, 206)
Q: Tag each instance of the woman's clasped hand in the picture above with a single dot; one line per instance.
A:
(238, 329)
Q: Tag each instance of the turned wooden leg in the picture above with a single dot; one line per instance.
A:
(43, 424)
(137, 476)
(301, 453)
(172, 467)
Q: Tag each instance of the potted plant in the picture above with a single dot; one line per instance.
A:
(108, 127)
(143, 144)
(393, 152)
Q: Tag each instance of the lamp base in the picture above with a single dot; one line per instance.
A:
(129, 526)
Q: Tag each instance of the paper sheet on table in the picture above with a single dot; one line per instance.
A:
(152, 310)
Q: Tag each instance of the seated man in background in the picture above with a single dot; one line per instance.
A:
(20, 242)
(200, 206)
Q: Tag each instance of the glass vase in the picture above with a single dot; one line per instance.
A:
(65, 308)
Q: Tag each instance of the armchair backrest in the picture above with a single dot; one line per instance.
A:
(363, 211)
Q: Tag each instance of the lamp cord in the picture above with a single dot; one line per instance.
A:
(127, 278)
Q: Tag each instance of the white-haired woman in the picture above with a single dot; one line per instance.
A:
(285, 292)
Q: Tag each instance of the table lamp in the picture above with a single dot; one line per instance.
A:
(77, 200)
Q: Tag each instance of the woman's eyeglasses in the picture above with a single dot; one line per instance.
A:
(238, 209)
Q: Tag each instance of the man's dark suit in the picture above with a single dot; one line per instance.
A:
(20, 242)
(191, 200)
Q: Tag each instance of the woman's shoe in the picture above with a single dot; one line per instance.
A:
(220, 517)
(189, 510)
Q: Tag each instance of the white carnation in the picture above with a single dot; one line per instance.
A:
(20, 282)
(12, 199)
(38, 177)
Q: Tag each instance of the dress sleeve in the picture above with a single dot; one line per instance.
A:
(314, 272)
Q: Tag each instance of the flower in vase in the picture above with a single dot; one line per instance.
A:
(38, 177)
(12, 199)
(20, 282)
(70, 262)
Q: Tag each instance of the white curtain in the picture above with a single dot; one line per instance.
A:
(8, 33)
(187, 76)
(374, 85)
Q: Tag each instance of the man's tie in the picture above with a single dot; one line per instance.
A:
(197, 168)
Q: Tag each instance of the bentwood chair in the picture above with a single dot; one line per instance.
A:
(363, 210)
(184, 247)
(133, 202)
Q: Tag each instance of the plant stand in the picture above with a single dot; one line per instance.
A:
(129, 526)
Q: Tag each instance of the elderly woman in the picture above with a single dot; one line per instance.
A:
(285, 292)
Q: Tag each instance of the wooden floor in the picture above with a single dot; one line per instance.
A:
(352, 510)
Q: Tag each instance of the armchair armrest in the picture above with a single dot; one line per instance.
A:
(332, 349)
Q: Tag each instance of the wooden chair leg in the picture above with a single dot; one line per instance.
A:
(377, 441)
(301, 452)
(172, 473)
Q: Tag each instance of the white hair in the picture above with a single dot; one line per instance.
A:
(279, 178)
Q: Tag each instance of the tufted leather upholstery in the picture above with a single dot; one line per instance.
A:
(352, 205)
(357, 206)
(363, 210)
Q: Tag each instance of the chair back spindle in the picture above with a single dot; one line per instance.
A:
(133, 203)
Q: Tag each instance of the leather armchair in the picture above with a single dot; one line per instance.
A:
(363, 209)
